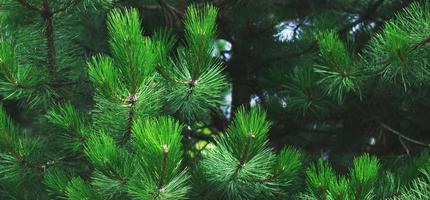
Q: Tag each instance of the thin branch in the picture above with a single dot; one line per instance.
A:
(404, 146)
(272, 177)
(421, 43)
(337, 66)
(245, 154)
(167, 77)
(70, 4)
(132, 100)
(400, 56)
(388, 128)
(164, 164)
(9, 76)
(28, 5)
(47, 14)
(170, 12)
(172, 9)
(39, 168)
(414, 47)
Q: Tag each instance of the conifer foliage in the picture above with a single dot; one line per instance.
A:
(247, 167)
(124, 148)
(396, 56)
(146, 91)
(323, 182)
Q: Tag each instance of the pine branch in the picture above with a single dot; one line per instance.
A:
(47, 15)
(28, 5)
(404, 146)
(11, 79)
(132, 101)
(38, 168)
(173, 9)
(69, 5)
(168, 77)
(385, 126)
(170, 12)
(164, 164)
(272, 177)
(9, 76)
(421, 43)
(22, 160)
(337, 66)
(245, 154)
(414, 47)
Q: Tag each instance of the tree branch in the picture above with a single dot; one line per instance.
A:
(388, 128)
(164, 164)
(245, 154)
(404, 146)
(47, 14)
(132, 100)
(28, 5)
(421, 43)
(70, 4)
(8, 74)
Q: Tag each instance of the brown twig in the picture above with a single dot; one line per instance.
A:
(171, 9)
(170, 12)
(47, 15)
(388, 128)
(39, 168)
(404, 146)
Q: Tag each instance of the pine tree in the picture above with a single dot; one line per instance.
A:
(118, 124)
(108, 146)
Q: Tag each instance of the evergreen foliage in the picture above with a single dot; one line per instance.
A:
(400, 45)
(248, 169)
(123, 121)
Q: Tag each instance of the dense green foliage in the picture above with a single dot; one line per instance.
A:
(129, 113)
